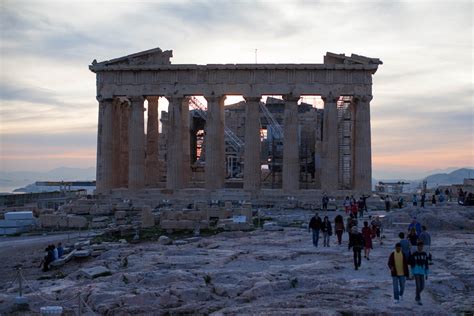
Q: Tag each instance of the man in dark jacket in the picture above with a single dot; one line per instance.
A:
(419, 268)
(356, 242)
(398, 264)
(315, 225)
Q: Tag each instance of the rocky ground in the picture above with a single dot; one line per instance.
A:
(260, 272)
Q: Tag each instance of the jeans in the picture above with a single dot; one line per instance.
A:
(357, 256)
(398, 286)
(420, 285)
(315, 237)
(339, 236)
(326, 239)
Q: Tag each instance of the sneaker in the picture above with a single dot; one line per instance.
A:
(396, 301)
(356, 268)
(419, 303)
(401, 298)
(368, 258)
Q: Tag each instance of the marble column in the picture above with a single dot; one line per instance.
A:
(104, 170)
(215, 145)
(124, 154)
(362, 145)
(330, 168)
(252, 167)
(116, 143)
(186, 141)
(151, 162)
(174, 154)
(136, 144)
(291, 163)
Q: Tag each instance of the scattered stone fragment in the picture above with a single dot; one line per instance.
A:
(95, 272)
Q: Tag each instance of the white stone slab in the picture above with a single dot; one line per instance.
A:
(19, 215)
(95, 272)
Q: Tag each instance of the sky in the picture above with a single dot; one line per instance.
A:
(422, 113)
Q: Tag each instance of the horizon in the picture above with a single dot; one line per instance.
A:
(421, 115)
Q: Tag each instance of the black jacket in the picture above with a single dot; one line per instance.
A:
(356, 241)
(315, 223)
(326, 227)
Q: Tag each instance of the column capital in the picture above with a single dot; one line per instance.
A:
(252, 98)
(136, 98)
(330, 97)
(152, 98)
(102, 99)
(215, 98)
(290, 97)
(363, 97)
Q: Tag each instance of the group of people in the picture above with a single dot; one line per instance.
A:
(413, 249)
(355, 207)
(357, 240)
(52, 253)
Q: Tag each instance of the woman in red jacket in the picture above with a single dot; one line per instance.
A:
(367, 234)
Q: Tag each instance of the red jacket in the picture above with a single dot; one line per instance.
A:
(391, 265)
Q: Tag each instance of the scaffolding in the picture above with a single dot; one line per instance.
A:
(345, 138)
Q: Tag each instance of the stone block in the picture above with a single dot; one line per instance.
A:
(163, 240)
(82, 253)
(76, 221)
(120, 214)
(19, 215)
(99, 224)
(82, 244)
(147, 218)
(53, 220)
(95, 272)
(80, 209)
(100, 219)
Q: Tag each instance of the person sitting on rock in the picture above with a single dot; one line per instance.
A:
(48, 258)
(60, 250)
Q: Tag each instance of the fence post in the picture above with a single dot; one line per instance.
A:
(80, 305)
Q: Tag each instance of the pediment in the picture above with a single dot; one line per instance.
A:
(153, 56)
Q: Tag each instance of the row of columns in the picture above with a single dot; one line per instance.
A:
(124, 159)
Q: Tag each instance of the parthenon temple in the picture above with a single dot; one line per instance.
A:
(271, 139)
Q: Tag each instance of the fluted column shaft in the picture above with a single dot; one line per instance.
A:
(151, 161)
(252, 167)
(116, 143)
(215, 146)
(330, 170)
(174, 155)
(104, 171)
(362, 145)
(136, 145)
(124, 154)
(291, 166)
(185, 140)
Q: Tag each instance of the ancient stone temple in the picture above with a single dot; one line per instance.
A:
(215, 146)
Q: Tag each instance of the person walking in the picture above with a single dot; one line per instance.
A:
(415, 224)
(433, 200)
(325, 202)
(377, 228)
(315, 225)
(415, 200)
(405, 244)
(326, 228)
(356, 242)
(425, 237)
(367, 234)
(422, 201)
(347, 205)
(388, 202)
(419, 268)
(413, 238)
(398, 265)
(339, 228)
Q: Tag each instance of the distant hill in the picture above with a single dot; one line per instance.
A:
(454, 177)
(16, 179)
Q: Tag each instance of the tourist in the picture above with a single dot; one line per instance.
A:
(354, 208)
(55, 252)
(415, 200)
(347, 205)
(315, 225)
(364, 200)
(351, 222)
(413, 238)
(388, 201)
(360, 207)
(425, 237)
(423, 199)
(419, 268)
(377, 228)
(433, 200)
(398, 265)
(339, 228)
(326, 228)
(356, 242)
(60, 250)
(48, 258)
(325, 202)
(414, 223)
(400, 202)
(405, 245)
(367, 234)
